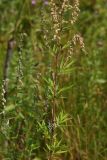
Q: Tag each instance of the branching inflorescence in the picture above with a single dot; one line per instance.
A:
(63, 16)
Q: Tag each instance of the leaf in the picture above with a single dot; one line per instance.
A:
(49, 148)
(65, 67)
(9, 108)
(36, 158)
(60, 152)
(66, 71)
(21, 115)
(64, 89)
(69, 64)
(65, 46)
(48, 81)
(101, 81)
(61, 119)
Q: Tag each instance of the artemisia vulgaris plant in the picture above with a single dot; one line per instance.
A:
(36, 109)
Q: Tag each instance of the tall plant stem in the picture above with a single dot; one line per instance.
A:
(55, 76)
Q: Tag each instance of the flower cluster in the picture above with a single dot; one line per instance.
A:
(3, 93)
(78, 39)
(20, 65)
(55, 19)
(75, 12)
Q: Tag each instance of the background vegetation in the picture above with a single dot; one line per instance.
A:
(78, 92)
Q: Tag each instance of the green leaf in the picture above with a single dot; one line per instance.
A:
(21, 115)
(9, 108)
(49, 148)
(36, 158)
(68, 64)
(62, 118)
(65, 67)
(66, 46)
(64, 89)
(101, 81)
(60, 152)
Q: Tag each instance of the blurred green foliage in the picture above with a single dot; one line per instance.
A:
(86, 102)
